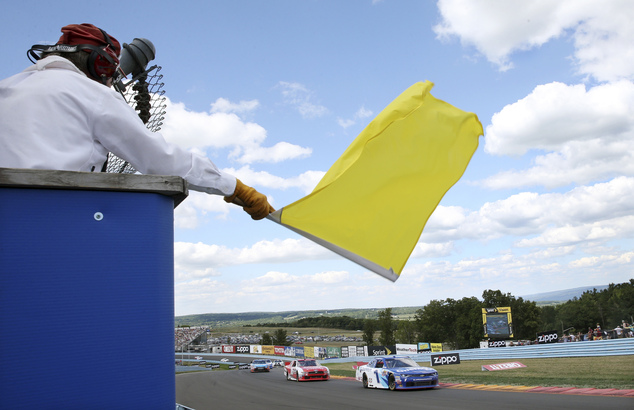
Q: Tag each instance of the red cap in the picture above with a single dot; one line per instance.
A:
(75, 34)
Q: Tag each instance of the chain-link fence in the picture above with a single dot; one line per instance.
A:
(146, 97)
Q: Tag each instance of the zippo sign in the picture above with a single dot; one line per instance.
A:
(547, 337)
(496, 343)
(444, 359)
(243, 349)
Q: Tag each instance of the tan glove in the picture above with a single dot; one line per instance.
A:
(253, 202)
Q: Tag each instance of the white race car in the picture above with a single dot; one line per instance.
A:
(396, 373)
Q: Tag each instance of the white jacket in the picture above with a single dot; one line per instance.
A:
(52, 116)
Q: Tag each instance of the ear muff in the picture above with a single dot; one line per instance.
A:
(102, 62)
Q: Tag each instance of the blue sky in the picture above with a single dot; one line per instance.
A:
(274, 92)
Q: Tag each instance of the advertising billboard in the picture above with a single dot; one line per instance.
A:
(497, 322)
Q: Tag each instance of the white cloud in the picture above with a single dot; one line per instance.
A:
(279, 152)
(604, 41)
(594, 213)
(306, 181)
(200, 259)
(226, 106)
(198, 205)
(300, 97)
(587, 135)
(330, 277)
(222, 128)
(190, 129)
(520, 274)
(584, 232)
(497, 28)
(345, 123)
(432, 250)
(602, 31)
(360, 114)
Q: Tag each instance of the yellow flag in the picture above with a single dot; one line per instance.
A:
(373, 203)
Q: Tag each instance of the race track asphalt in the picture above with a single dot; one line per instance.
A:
(241, 389)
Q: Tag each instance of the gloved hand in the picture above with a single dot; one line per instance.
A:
(253, 202)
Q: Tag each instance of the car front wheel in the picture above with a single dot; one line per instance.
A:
(391, 381)
(365, 381)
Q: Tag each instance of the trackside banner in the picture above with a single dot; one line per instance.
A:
(547, 337)
(406, 349)
(243, 349)
(502, 366)
(424, 347)
(381, 350)
(333, 351)
(289, 351)
(256, 349)
(444, 359)
(268, 350)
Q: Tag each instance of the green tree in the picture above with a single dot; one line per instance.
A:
(386, 326)
(466, 330)
(608, 308)
(457, 322)
(548, 318)
(620, 303)
(266, 340)
(279, 338)
(369, 328)
(580, 313)
(525, 314)
(434, 321)
(406, 332)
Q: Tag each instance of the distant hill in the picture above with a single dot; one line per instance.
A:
(253, 318)
(562, 295)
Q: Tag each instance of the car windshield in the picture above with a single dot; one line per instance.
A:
(258, 362)
(400, 362)
(305, 363)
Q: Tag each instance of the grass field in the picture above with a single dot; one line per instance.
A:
(303, 331)
(615, 372)
(597, 372)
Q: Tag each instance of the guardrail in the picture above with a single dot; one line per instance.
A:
(613, 347)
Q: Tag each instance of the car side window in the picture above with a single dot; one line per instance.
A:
(379, 364)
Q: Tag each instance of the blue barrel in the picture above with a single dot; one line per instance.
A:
(86, 299)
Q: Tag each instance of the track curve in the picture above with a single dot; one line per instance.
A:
(241, 389)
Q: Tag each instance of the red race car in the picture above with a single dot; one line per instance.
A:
(306, 369)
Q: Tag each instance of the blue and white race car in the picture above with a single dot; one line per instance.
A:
(259, 365)
(396, 373)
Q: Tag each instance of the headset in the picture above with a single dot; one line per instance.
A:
(102, 62)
